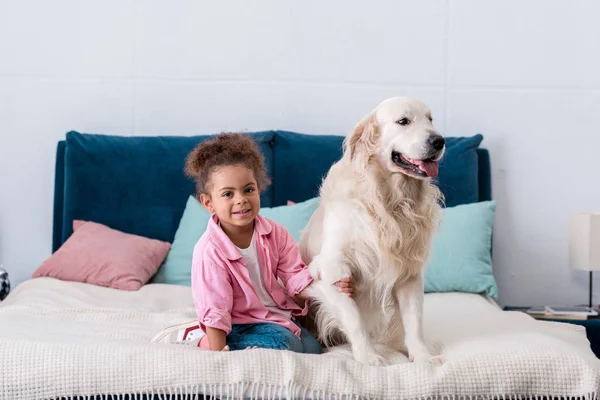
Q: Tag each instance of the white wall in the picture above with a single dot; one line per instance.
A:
(525, 74)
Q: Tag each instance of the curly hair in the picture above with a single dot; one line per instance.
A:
(226, 148)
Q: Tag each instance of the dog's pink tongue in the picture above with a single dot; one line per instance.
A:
(429, 167)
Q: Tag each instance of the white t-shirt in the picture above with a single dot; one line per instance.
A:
(250, 256)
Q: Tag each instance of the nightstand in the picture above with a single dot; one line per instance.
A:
(592, 327)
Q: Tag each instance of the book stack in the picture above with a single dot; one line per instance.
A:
(576, 312)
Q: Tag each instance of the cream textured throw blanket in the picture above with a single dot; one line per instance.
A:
(62, 339)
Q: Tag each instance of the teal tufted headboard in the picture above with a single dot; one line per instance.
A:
(137, 185)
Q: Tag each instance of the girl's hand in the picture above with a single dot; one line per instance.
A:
(216, 339)
(346, 285)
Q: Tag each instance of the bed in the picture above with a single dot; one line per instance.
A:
(63, 339)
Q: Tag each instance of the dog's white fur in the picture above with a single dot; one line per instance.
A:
(374, 222)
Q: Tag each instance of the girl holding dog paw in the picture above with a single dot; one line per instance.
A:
(240, 259)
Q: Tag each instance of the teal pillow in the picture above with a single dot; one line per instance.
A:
(461, 259)
(293, 217)
(177, 266)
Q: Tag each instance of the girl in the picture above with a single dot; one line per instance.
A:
(238, 261)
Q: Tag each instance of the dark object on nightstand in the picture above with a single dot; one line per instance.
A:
(4, 284)
(591, 324)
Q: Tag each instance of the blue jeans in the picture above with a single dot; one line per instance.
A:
(272, 336)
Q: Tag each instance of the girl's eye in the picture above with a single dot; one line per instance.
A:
(226, 194)
(249, 190)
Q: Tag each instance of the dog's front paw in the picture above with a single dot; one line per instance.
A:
(313, 270)
(369, 357)
(423, 356)
(437, 360)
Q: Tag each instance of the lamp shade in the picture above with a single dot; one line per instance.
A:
(584, 241)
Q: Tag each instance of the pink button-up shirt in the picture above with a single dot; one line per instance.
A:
(221, 286)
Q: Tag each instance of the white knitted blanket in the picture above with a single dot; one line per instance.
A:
(61, 339)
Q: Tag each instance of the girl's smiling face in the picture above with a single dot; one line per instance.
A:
(233, 196)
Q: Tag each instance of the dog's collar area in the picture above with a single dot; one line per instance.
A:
(400, 161)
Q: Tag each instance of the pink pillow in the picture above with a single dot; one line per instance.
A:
(102, 256)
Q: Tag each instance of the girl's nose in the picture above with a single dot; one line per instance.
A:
(239, 199)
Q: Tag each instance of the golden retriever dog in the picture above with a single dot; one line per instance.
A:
(377, 213)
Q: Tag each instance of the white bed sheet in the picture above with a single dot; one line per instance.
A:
(65, 338)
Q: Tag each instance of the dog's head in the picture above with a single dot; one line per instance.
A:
(399, 134)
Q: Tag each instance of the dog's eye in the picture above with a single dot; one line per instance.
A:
(430, 118)
(403, 121)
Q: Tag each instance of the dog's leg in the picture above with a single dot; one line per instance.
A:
(347, 318)
(330, 265)
(410, 300)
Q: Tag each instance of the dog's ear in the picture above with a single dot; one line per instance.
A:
(362, 141)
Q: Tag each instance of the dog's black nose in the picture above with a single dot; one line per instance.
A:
(436, 141)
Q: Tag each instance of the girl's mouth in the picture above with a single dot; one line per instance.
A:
(242, 213)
